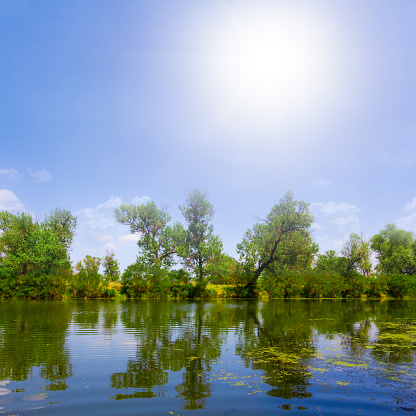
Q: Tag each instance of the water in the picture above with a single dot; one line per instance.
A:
(207, 358)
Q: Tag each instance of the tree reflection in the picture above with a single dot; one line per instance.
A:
(33, 334)
(173, 336)
(277, 340)
(280, 339)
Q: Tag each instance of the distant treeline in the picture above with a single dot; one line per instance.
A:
(277, 258)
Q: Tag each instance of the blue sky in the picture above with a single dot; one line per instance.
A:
(105, 101)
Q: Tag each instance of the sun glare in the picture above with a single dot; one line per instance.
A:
(268, 62)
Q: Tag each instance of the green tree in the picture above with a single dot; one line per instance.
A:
(111, 266)
(222, 270)
(157, 240)
(395, 250)
(330, 262)
(88, 281)
(357, 251)
(281, 239)
(29, 246)
(62, 223)
(199, 247)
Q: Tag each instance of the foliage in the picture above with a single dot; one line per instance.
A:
(157, 241)
(200, 248)
(396, 250)
(178, 276)
(133, 281)
(378, 286)
(111, 267)
(277, 253)
(222, 270)
(357, 252)
(281, 240)
(330, 262)
(32, 286)
(326, 284)
(314, 284)
(354, 285)
(63, 224)
(29, 246)
(88, 282)
(400, 285)
(354, 258)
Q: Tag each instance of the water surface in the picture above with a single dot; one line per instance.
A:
(207, 358)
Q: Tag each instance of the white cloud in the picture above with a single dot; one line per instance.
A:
(97, 236)
(96, 218)
(98, 251)
(40, 176)
(335, 222)
(407, 223)
(98, 231)
(338, 244)
(9, 201)
(12, 173)
(339, 222)
(113, 202)
(317, 226)
(342, 222)
(333, 207)
(411, 205)
(129, 239)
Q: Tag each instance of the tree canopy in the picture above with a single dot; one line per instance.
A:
(278, 252)
(395, 250)
(200, 247)
(283, 237)
(157, 240)
(28, 245)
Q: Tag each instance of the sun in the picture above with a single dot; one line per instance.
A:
(268, 62)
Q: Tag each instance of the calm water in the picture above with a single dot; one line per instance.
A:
(207, 358)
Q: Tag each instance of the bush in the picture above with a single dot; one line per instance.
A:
(378, 286)
(8, 284)
(401, 285)
(355, 285)
(32, 286)
(323, 284)
(133, 281)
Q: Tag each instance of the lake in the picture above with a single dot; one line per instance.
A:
(319, 357)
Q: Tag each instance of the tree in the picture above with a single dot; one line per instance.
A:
(63, 224)
(357, 251)
(111, 266)
(200, 246)
(395, 250)
(279, 239)
(28, 246)
(157, 240)
(330, 262)
(90, 265)
(87, 282)
(222, 270)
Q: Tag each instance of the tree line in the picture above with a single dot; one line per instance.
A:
(277, 257)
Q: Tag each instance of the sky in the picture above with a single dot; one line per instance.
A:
(103, 102)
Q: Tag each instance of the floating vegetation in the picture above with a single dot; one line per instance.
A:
(346, 364)
(277, 355)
